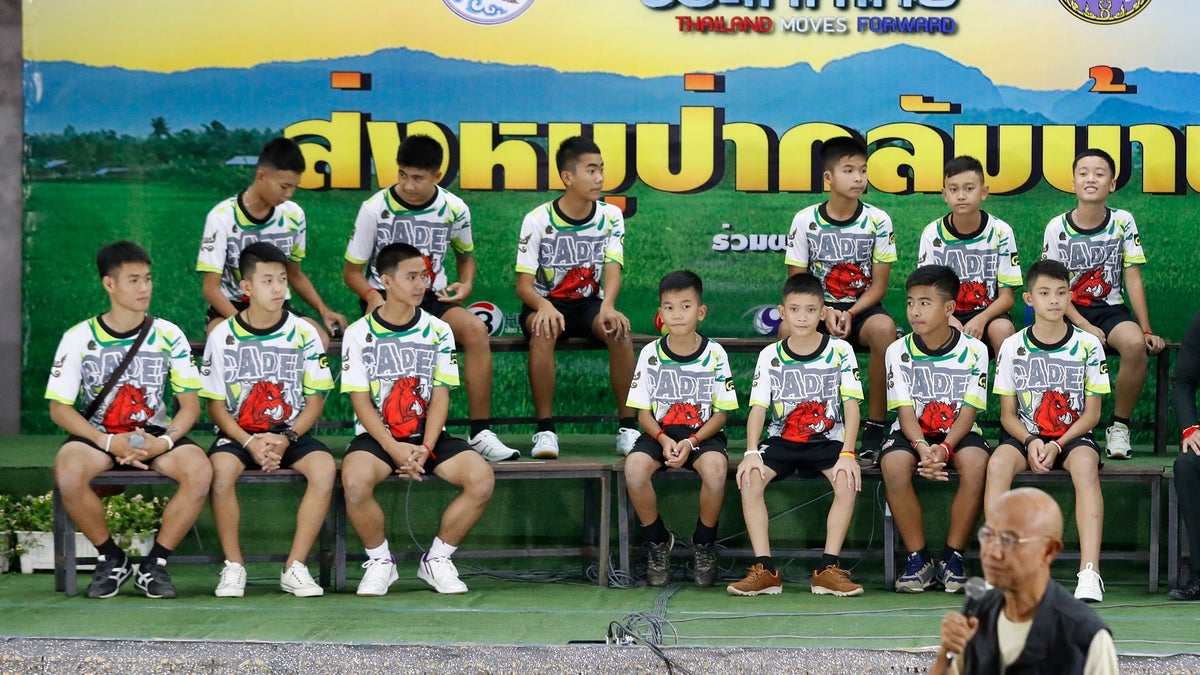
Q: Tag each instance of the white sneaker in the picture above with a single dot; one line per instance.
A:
(487, 444)
(297, 581)
(442, 575)
(625, 440)
(1090, 587)
(545, 445)
(380, 573)
(1116, 441)
(233, 581)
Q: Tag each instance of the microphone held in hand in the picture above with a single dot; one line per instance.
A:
(975, 589)
(137, 441)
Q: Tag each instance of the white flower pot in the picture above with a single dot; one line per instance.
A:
(39, 549)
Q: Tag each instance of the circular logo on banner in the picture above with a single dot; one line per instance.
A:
(765, 319)
(488, 12)
(490, 315)
(1104, 11)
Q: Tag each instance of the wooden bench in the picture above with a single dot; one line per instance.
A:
(626, 517)
(1149, 475)
(66, 560)
(597, 520)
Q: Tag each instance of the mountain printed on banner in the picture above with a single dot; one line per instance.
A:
(861, 91)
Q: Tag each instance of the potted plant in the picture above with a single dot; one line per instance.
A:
(6, 536)
(132, 521)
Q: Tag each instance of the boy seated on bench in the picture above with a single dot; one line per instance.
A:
(683, 389)
(810, 383)
(1050, 377)
(937, 382)
(129, 428)
(398, 365)
(265, 375)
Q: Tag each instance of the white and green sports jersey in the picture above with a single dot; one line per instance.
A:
(936, 383)
(264, 375)
(399, 366)
(679, 392)
(1097, 257)
(228, 229)
(842, 254)
(567, 257)
(90, 352)
(443, 223)
(804, 392)
(984, 263)
(1051, 382)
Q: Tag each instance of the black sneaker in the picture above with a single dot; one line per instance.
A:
(658, 562)
(1190, 591)
(704, 563)
(872, 441)
(108, 577)
(154, 580)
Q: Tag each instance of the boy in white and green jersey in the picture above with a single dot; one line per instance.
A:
(683, 391)
(1050, 378)
(417, 211)
(569, 265)
(982, 251)
(263, 212)
(850, 247)
(937, 383)
(265, 377)
(398, 365)
(1102, 249)
(131, 428)
(810, 384)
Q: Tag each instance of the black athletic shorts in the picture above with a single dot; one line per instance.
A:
(305, 445)
(577, 314)
(646, 444)
(446, 447)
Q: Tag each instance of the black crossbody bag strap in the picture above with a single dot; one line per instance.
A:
(121, 368)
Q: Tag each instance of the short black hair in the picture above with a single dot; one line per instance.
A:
(1047, 268)
(803, 284)
(259, 252)
(392, 255)
(282, 154)
(838, 148)
(112, 256)
(1096, 152)
(420, 152)
(943, 279)
(681, 280)
(963, 164)
(571, 150)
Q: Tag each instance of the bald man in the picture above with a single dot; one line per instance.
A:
(1027, 622)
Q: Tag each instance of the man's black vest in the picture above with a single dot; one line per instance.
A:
(1058, 642)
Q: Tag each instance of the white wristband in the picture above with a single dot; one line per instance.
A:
(248, 440)
(753, 452)
(170, 443)
(108, 444)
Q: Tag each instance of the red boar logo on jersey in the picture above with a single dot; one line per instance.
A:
(128, 411)
(428, 269)
(805, 420)
(1090, 288)
(1054, 414)
(936, 418)
(579, 282)
(972, 295)
(263, 407)
(404, 407)
(846, 281)
(682, 414)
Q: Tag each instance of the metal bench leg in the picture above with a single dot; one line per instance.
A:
(605, 532)
(64, 548)
(325, 542)
(339, 538)
(1155, 524)
(624, 545)
(889, 549)
(1172, 536)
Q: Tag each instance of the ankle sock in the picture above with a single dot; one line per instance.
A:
(656, 532)
(767, 562)
(546, 424)
(704, 535)
(478, 426)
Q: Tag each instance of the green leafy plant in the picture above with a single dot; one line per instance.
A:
(125, 516)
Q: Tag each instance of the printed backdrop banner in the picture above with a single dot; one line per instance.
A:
(143, 115)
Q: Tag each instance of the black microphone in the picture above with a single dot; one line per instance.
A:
(975, 589)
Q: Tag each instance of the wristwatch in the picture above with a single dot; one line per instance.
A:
(290, 434)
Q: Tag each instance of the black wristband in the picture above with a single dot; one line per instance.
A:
(1028, 438)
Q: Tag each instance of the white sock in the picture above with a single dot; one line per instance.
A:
(440, 549)
(380, 552)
